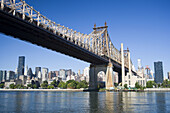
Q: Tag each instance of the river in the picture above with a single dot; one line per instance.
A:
(84, 102)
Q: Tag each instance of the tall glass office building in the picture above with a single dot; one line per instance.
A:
(21, 65)
(158, 72)
(37, 69)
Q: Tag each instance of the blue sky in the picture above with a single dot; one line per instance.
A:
(142, 25)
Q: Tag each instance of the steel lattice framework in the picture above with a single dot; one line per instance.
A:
(97, 42)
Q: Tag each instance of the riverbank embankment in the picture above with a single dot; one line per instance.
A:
(71, 90)
(82, 90)
(157, 89)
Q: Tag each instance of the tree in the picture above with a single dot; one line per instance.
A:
(54, 83)
(150, 84)
(19, 86)
(1, 85)
(62, 85)
(115, 84)
(44, 85)
(45, 82)
(69, 81)
(50, 87)
(166, 84)
(82, 84)
(137, 85)
(72, 85)
(35, 86)
(125, 86)
(12, 86)
(29, 85)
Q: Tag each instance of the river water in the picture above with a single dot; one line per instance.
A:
(85, 102)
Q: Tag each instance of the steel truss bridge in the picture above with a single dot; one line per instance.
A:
(20, 20)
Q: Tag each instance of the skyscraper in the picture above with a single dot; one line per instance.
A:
(21, 64)
(158, 72)
(26, 70)
(39, 75)
(68, 72)
(30, 74)
(10, 75)
(37, 69)
(4, 76)
(63, 74)
(51, 74)
(44, 74)
(139, 64)
(86, 73)
(168, 75)
(1, 75)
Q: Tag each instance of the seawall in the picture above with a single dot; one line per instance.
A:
(156, 89)
(71, 90)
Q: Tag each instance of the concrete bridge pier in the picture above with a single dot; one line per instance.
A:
(109, 76)
(95, 69)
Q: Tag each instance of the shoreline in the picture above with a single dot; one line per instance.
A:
(86, 90)
(66, 90)
(157, 89)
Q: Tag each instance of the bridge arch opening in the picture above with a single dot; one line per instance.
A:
(101, 79)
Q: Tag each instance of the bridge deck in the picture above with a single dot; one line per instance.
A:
(18, 28)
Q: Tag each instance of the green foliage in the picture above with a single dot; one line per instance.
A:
(12, 86)
(70, 81)
(82, 84)
(18, 86)
(50, 87)
(54, 83)
(115, 84)
(159, 85)
(72, 85)
(45, 82)
(24, 87)
(62, 85)
(44, 85)
(165, 84)
(29, 85)
(137, 85)
(150, 84)
(125, 86)
(35, 86)
(100, 85)
(142, 88)
(1, 85)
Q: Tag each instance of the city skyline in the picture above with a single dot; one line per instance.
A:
(149, 48)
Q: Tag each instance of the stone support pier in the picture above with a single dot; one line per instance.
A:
(109, 76)
(95, 69)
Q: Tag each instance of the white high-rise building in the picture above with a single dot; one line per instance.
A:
(39, 74)
(44, 74)
(26, 70)
(16, 71)
(139, 64)
(115, 77)
(86, 73)
(152, 77)
(79, 72)
(63, 74)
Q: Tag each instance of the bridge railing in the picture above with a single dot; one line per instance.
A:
(94, 42)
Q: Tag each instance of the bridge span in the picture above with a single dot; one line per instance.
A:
(20, 20)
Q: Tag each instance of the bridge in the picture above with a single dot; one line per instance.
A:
(20, 20)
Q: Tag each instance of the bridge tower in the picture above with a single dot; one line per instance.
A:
(106, 68)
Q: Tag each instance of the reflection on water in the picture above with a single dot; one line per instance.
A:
(88, 102)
